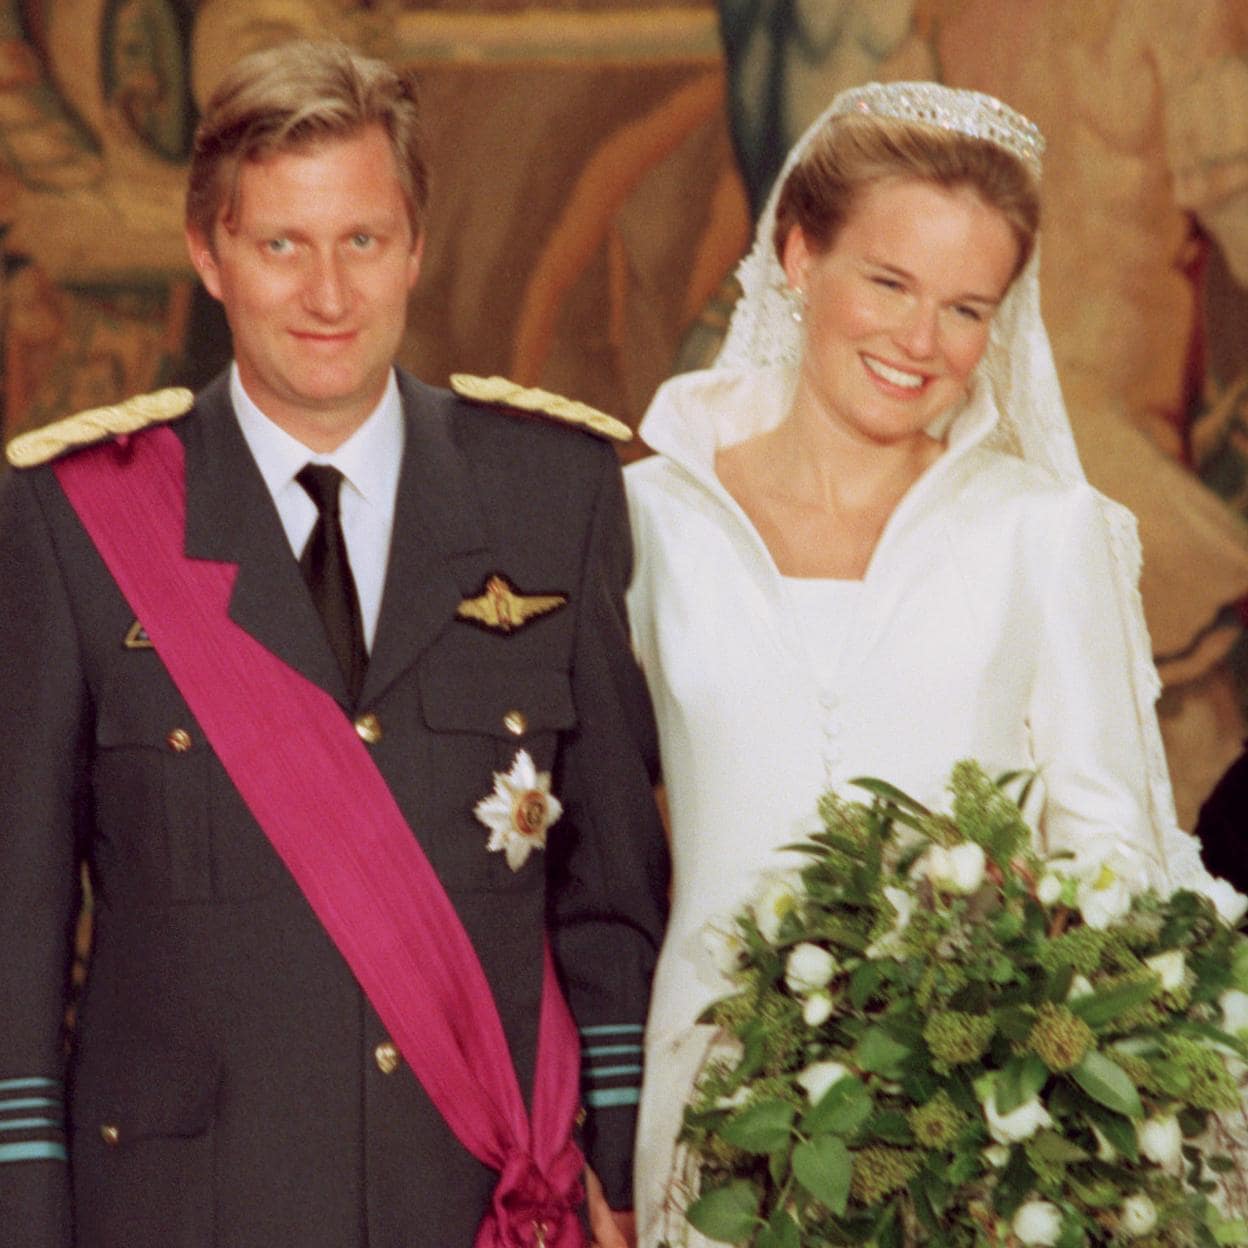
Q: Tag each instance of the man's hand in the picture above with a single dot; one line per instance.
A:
(611, 1228)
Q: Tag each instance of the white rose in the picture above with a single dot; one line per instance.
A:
(1234, 1006)
(996, 1155)
(1231, 905)
(777, 900)
(1102, 898)
(1139, 1215)
(1037, 1222)
(901, 901)
(1080, 986)
(818, 1077)
(1049, 890)
(890, 943)
(1020, 1123)
(1161, 1140)
(1105, 1151)
(808, 967)
(1101, 855)
(740, 1097)
(817, 1009)
(1171, 966)
(957, 870)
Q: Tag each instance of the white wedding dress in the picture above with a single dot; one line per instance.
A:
(999, 619)
(982, 630)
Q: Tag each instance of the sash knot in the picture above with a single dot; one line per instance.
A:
(536, 1209)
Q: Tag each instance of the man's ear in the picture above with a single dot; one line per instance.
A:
(204, 258)
(414, 259)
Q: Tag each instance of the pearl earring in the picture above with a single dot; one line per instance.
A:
(797, 303)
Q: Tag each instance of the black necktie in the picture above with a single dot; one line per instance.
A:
(327, 571)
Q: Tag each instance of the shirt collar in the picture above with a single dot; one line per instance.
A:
(369, 459)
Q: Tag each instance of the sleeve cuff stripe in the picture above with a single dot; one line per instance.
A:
(613, 1029)
(35, 1150)
(610, 1050)
(608, 1098)
(27, 1124)
(28, 1102)
(22, 1085)
(606, 1072)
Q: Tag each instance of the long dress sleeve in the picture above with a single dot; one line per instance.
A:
(1086, 734)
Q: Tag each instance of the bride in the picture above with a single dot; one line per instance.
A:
(866, 547)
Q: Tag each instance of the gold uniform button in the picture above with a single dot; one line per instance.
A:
(110, 1135)
(179, 740)
(368, 726)
(515, 723)
(387, 1057)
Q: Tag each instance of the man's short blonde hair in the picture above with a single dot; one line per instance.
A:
(292, 97)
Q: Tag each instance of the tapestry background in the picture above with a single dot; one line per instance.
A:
(595, 166)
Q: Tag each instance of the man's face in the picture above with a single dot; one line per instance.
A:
(314, 273)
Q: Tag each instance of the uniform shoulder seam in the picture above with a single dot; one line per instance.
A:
(500, 392)
(98, 424)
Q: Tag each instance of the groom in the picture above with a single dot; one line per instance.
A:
(250, 1060)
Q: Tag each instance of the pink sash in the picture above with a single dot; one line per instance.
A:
(311, 785)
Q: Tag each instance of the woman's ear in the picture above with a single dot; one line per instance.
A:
(795, 257)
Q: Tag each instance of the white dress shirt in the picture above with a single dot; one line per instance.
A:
(369, 461)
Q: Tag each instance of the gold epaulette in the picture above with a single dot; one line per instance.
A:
(527, 399)
(96, 424)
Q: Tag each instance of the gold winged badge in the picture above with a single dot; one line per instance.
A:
(500, 608)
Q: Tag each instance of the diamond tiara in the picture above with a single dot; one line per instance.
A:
(947, 108)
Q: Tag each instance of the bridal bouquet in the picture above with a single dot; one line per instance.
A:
(938, 1036)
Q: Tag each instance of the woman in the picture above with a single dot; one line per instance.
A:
(866, 547)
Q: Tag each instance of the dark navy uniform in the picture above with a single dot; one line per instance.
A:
(227, 1083)
(1222, 827)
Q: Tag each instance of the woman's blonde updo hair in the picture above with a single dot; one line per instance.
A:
(852, 152)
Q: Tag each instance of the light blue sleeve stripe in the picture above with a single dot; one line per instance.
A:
(607, 1050)
(14, 1085)
(605, 1072)
(613, 1029)
(607, 1098)
(36, 1150)
(29, 1102)
(25, 1124)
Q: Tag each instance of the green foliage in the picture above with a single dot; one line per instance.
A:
(955, 1037)
(986, 815)
(843, 1109)
(880, 1170)
(993, 1048)
(726, 1213)
(1080, 949)
(937, 1122)
(760, 1128)
(823, 1167)
(1059, 1037)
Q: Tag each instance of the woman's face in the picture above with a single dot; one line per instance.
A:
(898, 308)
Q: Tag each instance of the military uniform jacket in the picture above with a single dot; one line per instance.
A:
(227, 1082)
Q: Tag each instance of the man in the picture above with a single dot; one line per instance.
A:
(456, 596)
(1222, 828)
